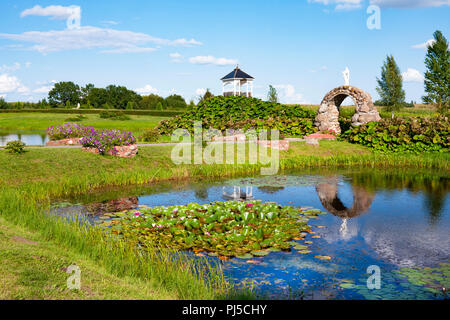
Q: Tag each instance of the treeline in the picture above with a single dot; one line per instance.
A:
(436, 78)
(69, 95)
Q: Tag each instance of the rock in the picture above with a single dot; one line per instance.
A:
(118, 151)
(312, 142)
(64, 142)
(328, 115)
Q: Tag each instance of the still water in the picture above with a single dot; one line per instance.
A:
(29, 138)
(396, 222)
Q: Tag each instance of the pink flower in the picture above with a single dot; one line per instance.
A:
(250, 205)
(175, 211)
(207, 233)
(137, 213)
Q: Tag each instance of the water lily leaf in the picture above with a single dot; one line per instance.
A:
(260, 253)
(246, 256)
(323, 258)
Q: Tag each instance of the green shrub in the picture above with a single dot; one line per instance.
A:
(243, 113)
(78, 118)
(16, 147)
(114, 115)
(150, 135)
(415, 135)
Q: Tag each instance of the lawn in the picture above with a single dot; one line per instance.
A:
(41, 121)
(33, 267)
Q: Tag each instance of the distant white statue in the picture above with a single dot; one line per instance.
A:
(346, 75)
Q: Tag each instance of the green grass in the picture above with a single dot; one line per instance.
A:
(418, 111)
(30, 181)
(41, 121)
(35, 268)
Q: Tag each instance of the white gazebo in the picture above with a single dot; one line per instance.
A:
(237, 83)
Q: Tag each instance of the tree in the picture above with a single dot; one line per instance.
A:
(98, 97)
(175, 101)
(437, 76)
(64, 93)
(272, 96)
(118, 96)
(390, 86)
(85, 91)
(3, 103)
(151, 102)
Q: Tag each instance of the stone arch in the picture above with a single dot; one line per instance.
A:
(328, 116)
(328, 195)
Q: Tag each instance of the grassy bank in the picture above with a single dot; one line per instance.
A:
(31, 180)
(420, 110)
(41, 121)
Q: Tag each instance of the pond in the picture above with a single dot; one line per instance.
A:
(397, 221)
(30, 138)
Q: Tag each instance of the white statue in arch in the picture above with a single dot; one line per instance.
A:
(346, 75)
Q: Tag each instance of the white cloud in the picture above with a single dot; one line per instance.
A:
(322, 68)
(424, 45)
(356, 4)
(340, 4)
(176, 57)
(287, 94)
(5, 68)
(146, 90)
(412, 75)
(203, 60)
(44, 89)
(112, 41)
(10, 84)
(200, 91)
(410, 3)
(55, 12)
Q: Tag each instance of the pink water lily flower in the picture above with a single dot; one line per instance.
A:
(137, 213)
(250, 205)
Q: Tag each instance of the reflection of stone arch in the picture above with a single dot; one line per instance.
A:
(328, 195)
(328, 116)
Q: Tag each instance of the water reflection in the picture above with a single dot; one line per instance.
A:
(328, 195)
(29, 138)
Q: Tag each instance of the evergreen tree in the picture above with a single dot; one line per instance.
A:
(437, 77)
(390, 86)
(272, 96)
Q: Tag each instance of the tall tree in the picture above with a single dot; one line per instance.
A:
(437, 77)
(64, 93)
(272, 96)
(390, 86)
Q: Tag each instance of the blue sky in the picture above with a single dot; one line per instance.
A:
(183, 47)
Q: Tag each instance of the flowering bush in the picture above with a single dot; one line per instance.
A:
(68, 130)
(107, 139)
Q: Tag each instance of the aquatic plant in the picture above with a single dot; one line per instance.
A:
(228, 229)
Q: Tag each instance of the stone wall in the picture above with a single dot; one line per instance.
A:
(328, 115)
(64, 142)
(117, 151)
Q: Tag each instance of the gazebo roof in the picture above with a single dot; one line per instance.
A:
(237, 74)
